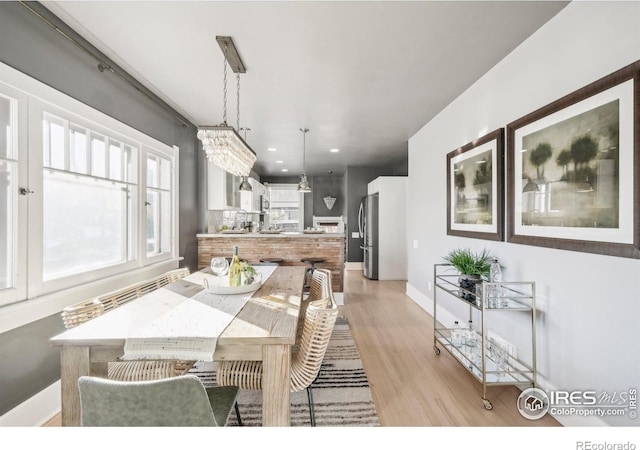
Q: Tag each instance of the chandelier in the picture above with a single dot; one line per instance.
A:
(303, 186)
(222, 143)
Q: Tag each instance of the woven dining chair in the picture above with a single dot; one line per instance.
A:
(139, 370)
(179, 401)
(319, 288)
(81, 312)
(177, 274)
(306, 360)
(156, 283)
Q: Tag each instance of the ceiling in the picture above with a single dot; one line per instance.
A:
(362, 76)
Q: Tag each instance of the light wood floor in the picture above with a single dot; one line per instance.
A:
(410, 385)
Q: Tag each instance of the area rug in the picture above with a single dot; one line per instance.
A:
(341, 393)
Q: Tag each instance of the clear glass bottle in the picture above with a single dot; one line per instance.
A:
(456, 334)
(470, 335)
(495, 276)
(235, 269)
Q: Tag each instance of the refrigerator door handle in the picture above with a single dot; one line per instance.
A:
(360, 221)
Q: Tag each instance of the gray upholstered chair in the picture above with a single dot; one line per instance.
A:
(177, 401)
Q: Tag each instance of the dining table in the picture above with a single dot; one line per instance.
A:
(264, 329)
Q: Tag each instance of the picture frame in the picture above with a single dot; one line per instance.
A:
(475, 188)
(573, 170)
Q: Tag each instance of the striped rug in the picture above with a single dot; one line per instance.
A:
(341, 394)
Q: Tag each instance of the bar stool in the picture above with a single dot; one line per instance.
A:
(272, 260)
(312, 261)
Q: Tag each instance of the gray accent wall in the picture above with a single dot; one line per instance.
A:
(356, 181)
(34, 48)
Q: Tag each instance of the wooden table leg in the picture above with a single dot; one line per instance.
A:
(276, 385)
(74, 362)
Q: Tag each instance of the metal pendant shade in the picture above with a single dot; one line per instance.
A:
(303, 186)
(245, 185)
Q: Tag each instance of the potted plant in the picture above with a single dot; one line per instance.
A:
(249, 272)
(473, 267)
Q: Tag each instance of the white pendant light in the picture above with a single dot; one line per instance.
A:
(329, 201)
(303, 186)
(222, 143)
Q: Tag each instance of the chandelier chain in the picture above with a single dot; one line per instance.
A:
(304, 149)
(224, 91)
(238, 99)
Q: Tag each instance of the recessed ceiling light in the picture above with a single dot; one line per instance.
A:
(278, 162)
(271, 149)
(285, 170)
(334, 150)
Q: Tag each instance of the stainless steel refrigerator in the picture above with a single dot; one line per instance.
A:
(368, 228)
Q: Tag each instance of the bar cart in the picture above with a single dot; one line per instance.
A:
(485, 357)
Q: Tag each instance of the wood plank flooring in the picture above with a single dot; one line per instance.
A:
(412, 386)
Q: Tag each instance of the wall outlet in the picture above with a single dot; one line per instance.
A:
(355, 235)
(415, 243)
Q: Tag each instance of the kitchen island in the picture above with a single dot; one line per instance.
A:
(289, 246)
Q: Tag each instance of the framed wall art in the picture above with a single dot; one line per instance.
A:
(475, 193)
(573, 170)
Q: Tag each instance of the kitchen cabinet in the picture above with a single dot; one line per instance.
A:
(222, 188)
(251, 201)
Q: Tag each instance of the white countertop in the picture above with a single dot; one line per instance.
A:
(286, 234)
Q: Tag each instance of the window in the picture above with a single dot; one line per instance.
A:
(158, 205)
(89, 179)
(89, 214)
(12, 205)
(8, 192)
(286, 207)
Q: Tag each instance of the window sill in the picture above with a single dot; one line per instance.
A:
(27, 311)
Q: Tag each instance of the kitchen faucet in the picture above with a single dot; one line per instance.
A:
(235, 218)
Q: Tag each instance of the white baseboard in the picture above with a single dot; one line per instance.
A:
(36, 411)
(353, 266)
(426, 303)
(422, 300)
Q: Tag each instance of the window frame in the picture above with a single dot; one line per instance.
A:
(173, 160)
(34, 99)
(290, 187)
(19, 102)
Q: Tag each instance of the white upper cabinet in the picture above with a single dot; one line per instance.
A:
(250, 201)
(222, 189)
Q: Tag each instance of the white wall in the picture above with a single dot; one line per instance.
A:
(589, 305)
(392, 216)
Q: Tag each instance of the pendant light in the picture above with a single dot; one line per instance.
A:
(303, 186)
(222, 143)
(244, 184)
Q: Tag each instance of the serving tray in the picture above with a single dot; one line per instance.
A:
(220, 285)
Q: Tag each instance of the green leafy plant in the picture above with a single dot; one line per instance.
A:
(249, 272)
(470, 263)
